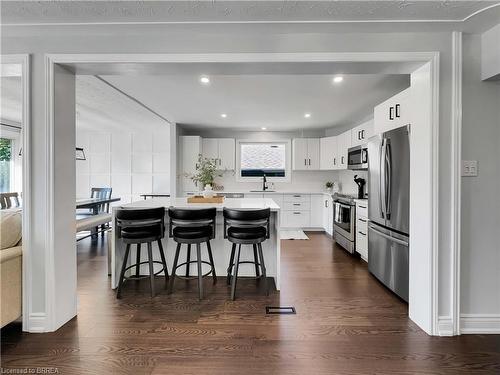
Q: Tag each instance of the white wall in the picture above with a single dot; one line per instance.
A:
(480, 250)
(490, 53)
(39, 40)
(300, 180)
(131, 163)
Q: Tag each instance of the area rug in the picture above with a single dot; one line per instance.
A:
(293, 235)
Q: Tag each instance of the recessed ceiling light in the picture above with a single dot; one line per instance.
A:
(307, 115)
(223, 115)
(263, 128)
(205, 80)
(338, 79)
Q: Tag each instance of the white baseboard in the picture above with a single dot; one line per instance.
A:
(445, 326)
(480, 323)
(37, 322)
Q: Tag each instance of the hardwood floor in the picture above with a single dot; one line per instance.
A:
(346, 323)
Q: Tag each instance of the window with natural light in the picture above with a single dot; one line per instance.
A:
(259, 159)
(6, 164)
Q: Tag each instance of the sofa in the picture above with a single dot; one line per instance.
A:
(11, 254)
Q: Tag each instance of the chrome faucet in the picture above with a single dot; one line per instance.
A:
(264, 183)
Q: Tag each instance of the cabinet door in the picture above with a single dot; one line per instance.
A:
(328, 153)
(226, 153)
(325, 211)
(313, 153)
(366, 131)
(316, 211)
(329, 214)
(300, 156)
(393, 113)
(190, 150)
(211, 148)
(343, 145)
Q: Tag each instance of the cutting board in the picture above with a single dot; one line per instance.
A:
(201, 199)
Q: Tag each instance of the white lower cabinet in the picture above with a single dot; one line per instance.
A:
(295, 219)
(316, 211)
(327, 213)
(362, 229)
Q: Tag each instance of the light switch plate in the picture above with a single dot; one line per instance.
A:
(469, 168)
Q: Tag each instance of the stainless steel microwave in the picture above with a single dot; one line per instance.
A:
(357, 157)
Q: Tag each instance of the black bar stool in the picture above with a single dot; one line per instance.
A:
(138, 226)
(192, 226)
(246, 227)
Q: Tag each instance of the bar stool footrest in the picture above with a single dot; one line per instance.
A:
(140, 277)
(195, 276)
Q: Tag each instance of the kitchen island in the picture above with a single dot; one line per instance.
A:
(221, 247)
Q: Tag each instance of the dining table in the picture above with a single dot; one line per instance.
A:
(93, 205)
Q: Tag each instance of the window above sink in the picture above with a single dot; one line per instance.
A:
(256, 159)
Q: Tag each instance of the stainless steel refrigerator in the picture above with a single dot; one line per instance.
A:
(388, 208)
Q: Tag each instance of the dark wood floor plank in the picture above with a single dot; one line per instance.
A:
(346, 323)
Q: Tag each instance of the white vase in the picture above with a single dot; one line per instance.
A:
(208, 192)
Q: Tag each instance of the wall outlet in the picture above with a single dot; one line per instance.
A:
(469, 168)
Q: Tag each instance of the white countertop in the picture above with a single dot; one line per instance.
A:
(267, 192)
(238, 203)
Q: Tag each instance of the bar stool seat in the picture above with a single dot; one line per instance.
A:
(189, 233)
(243, 233)
(140, 233)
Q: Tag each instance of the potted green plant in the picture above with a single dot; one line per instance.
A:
(206, 171)
(329, 186)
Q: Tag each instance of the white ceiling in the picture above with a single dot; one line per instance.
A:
(277, 102)
(33, 12)
(101, 107)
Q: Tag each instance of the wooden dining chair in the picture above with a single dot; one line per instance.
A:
(9, 200)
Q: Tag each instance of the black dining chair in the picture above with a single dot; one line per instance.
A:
(138, 226)
(246, 227)
(101, 193)
(192, 226)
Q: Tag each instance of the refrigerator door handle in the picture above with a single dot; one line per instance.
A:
(390, 238)
(381, 202)
(388, 179)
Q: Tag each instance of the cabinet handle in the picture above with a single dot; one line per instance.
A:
(391, 113)
(305, 161)
(360, 137)
(360, 206)
(296, 204)
(342, 160)
(296, 213)
(362, 220)
(326, 203)
(334, 161)
(363, 234)
(309, 161)
(297, 196)
(398, 110)
(362, 134)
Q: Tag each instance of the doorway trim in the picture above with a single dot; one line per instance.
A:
(24, 61)
(425, 57)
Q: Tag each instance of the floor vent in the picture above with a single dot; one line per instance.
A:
(280, 310)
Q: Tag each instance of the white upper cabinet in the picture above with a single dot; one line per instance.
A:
(306, 153)
(343, 144)
(328, 159)
(220, 149)
(361, 133)
(190, 150)
(226, 153)
(393, 113)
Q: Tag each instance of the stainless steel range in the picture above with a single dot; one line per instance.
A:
(344, 216)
